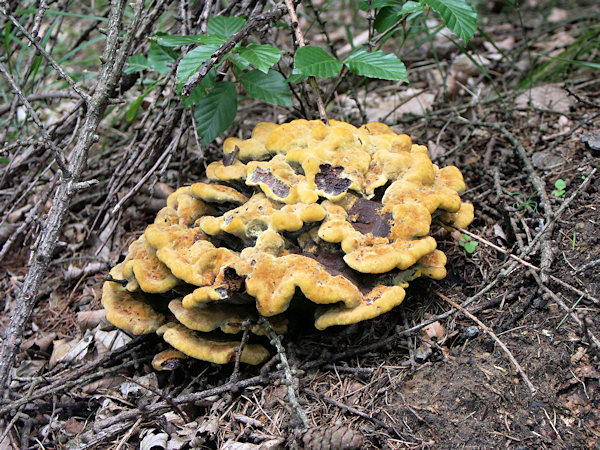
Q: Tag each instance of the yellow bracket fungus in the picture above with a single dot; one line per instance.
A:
(334, 214)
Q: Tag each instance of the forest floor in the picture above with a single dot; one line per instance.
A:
(423, 374)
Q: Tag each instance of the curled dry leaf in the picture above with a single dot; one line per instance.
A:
(153, 441)
(108, 341)
(130, 388)
(66, 351)
(434, 331)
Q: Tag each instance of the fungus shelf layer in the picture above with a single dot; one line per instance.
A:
(338, 214)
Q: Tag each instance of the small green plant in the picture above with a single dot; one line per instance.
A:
(560, 186)
(468, 244)
(525, 205)
(255, 67)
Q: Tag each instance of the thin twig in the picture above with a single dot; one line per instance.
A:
(289, 378)
(301, 43)
(488, 331)
(176, 408)
(594, 340)
(527, 264)
(350, 409)
(56, 152)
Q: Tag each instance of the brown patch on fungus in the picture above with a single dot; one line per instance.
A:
(330, 181)
(276, 186)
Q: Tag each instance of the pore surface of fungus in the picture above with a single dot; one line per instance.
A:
(337, 215)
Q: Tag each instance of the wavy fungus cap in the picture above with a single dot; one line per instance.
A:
(336, 214)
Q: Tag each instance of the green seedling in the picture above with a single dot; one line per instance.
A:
(560, 186)
(468, 244)
(525, 205)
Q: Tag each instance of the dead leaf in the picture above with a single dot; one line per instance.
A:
(90, 319)
(72, 427)
(110, 340)
(153, 441)
(129, 388)
(499, 232)
(102, 385)
(435, 150)
(434, 331)
(557, 15)
(74, 350)
(549, 96)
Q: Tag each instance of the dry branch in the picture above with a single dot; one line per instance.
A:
(488, 331)
(114, 57)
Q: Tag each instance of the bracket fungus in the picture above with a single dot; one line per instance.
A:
(336, 214)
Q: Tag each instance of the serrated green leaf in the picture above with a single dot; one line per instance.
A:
(296, 76)
(224, 26)
(199, 92)
(458, 15)
(136, 63)
(159, 58)
(176, 41)
(386, 17)
(215, 112)
(376, 65)
(315, 62)
(270, 87)
(193, 60)
(263, 57)
(390, 13)
(173, 40)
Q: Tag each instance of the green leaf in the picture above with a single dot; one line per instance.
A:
(296, 76)
(199, 92)
(376, 65)
(560, 184)
(224, 26)
(376, 4)
(4, 160)
(575, 62)
(136, 63)
(271, 87)
(173, 40)
(160, 57)
(386, 18)
(131, 112)
(389, 14)
(315, 62)
(459, 16)
(468, 244)
(193, 60)
(215, 112)
(262, 57)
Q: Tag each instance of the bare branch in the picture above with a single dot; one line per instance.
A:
(45, 54)
(56, 152)
(114, 57)
(301, 43)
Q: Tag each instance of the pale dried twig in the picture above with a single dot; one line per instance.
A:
(488, 331)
